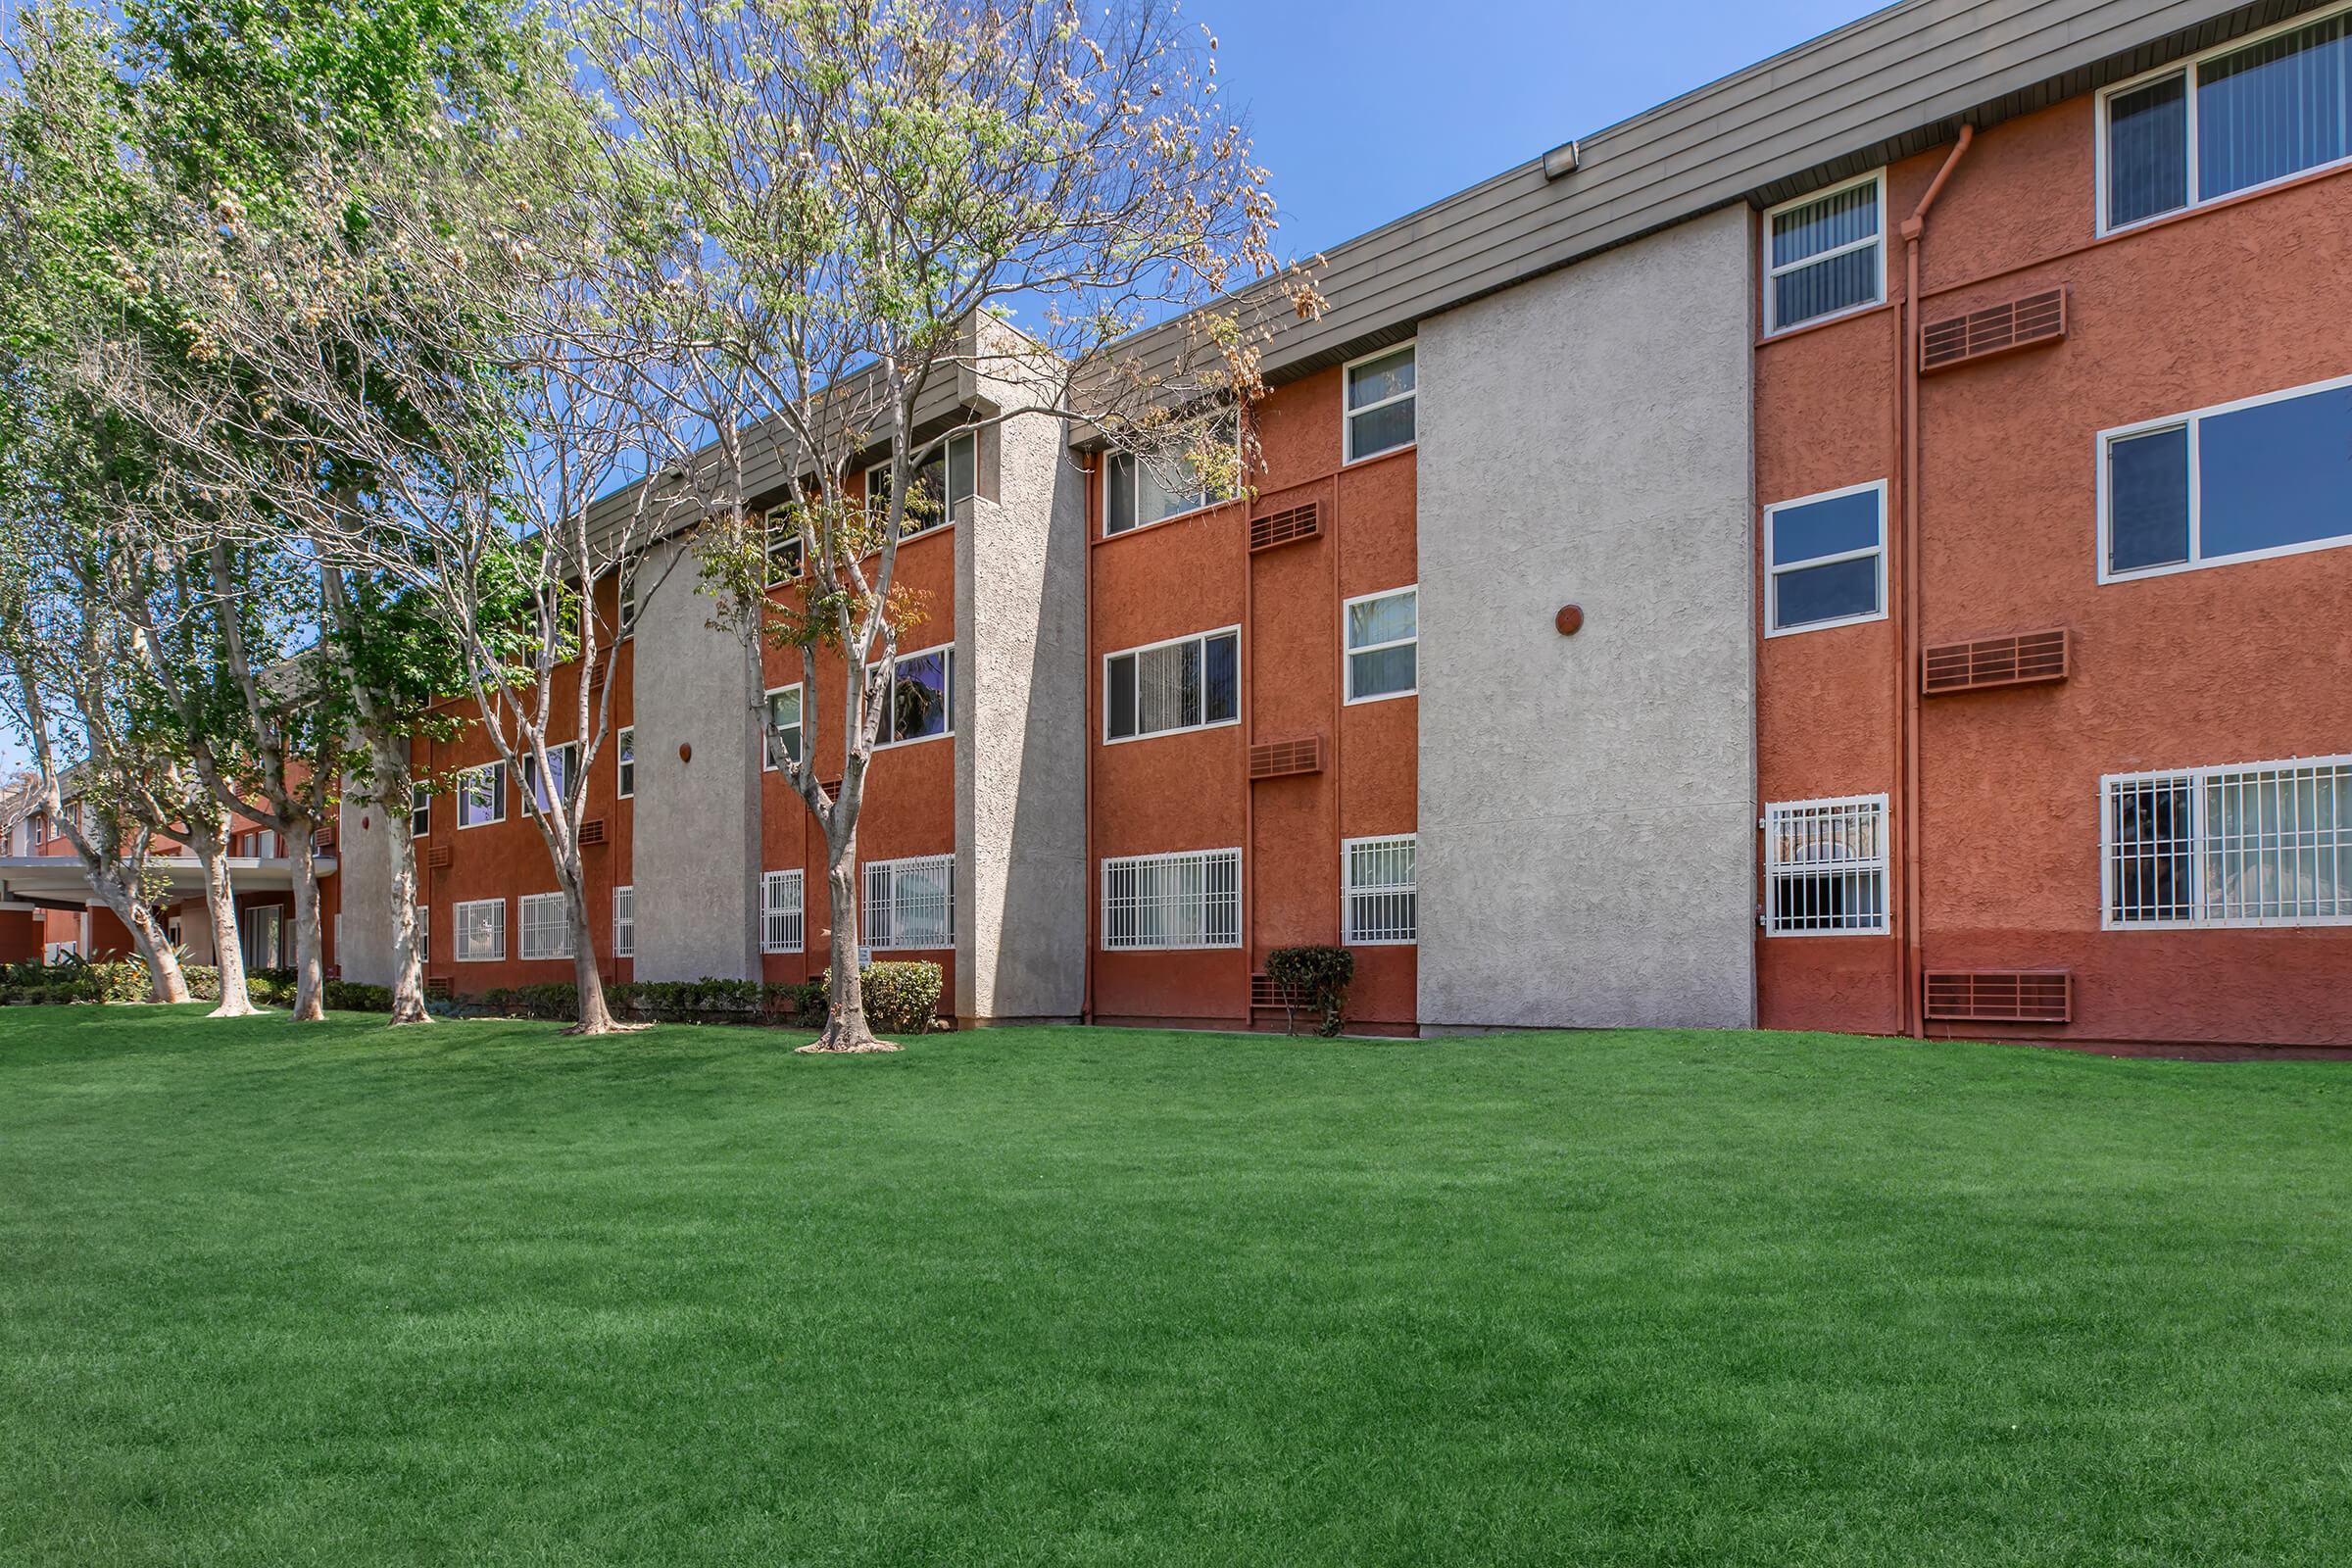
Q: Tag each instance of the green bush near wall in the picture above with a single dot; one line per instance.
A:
(1315, 981)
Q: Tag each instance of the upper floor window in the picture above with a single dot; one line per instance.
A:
(624, 753)
(1825, 559)
(420, 812)
(1187, 683)
(1384, 633)
(627, 593)
(1822, 254)
(482, 795)
(1825, 867)
(2247, 845)
(937, 489)
(1381, 900)
(2227, 122)
(910, 904)
(1139, 490)
(1381, 389)
(783, 726)
(784, 548)
(2263, 476)
(561, 762)
(918, 702)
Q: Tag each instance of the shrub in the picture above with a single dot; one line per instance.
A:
(1313, 978)
(350, 996)
(902, 998)
(270, 987)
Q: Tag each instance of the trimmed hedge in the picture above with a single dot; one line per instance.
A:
(1315, 979)
(902, 998)
(352, 996)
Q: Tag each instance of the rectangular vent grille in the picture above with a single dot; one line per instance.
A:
(1265, 995)
(592, 831)
(1996, 329)
(437, 857)
(324, 841)
(2001, 996)
(438, 985)
(2020, 661)
(1287, 526)
(1283, 759)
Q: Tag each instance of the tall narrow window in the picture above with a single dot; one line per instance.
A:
(561, 761)
(1825, 559)
(783, 726)
(2250, 844)
(482, 795)
(1384, 633)
(425, 935)
(1191, 899)
(780, 911)
(784, 547)
(920, 699)
(420, 812)
(1190, 683)
(546, 926)
(479, 927)
(2265, 477)
(1825, 867)
(937, 490)
(1823, 254)
(625, 922)
(1139, 490)
(1382, 391)
(624, 751)
(1382, 904)
(910, 905)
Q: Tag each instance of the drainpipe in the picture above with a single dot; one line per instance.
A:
(1914, 229)
(1092, 467)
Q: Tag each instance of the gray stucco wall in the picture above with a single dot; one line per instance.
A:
(1020, 735)
(695, 853)
(363, 872)
(1588, 804)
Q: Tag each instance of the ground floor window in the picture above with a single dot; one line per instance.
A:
(479, 928)
(1191, 899)
(262, 932)
(1381, 907)
(1825, 867)
(780, 928)
(625, 922)
(910, 905)
(546, 926)
(2246, 844)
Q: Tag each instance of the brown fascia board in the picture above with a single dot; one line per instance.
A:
(1893, 84)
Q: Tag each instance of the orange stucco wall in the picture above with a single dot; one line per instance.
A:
(2232, 664)
(1190, 790)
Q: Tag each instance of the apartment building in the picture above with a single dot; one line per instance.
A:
(1851, 547)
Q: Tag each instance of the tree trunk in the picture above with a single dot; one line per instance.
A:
(221, 907)
(595, 1017)
(408, 966)
(846, 1028)
(163, 964)
(310, 964)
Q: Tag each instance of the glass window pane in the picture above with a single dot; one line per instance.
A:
(1119, 514)
(2272, 109)
(1828, 527)
(2148, 151)
(1122, 696)
(1223, 695)
(1826, 287)
(1382, 672)
(1390, 375)
(2147, 499)
(963, 468)
(1382, 429)
(1834, 592)
(1382, 620)
(2277, 473)
(918, 698)
(1837, 220)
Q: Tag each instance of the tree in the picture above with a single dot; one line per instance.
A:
(839, 207)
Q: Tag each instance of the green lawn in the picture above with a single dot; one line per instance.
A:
(482, 1295)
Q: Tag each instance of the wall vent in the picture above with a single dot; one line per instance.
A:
(1287, 526)
(439, 985)
(2021, 660)
(1283, 759)
(2001, 996)
(1265, 996)
(592, 831)
(437, 857)
(2021, 323)
(324, 841)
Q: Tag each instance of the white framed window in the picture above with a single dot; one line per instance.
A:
(2269, 475)
(1379, 414)
(2250, 113)
(1824, 253)
(1825, 867)
(625, 922)
(918, 703)
(780, 911)
(420, 812)
(1192, 682)
(561, 761)
(478, 930)
(627, 593)
(936, 492)
(2245, 844)
(625, 763)
(1189, 898)
(1379, 898)
(784, 547)
(910, 905)
(482, 795)
(1384, 637)
(1138, 492)
(783, 726)
(546, 926)
(425, 935)
(1825, 559)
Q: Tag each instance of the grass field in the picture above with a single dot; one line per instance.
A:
(482, 1295)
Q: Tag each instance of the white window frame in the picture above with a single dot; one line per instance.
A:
(2187, 67)
(625, 763)
(425, 935)
(942, 866)
(2197, 779)
(624, 898)
(1349, 651)
(498, 794)
(530, 904)
(889, 708)
(2192, 422)
(1772, 325)
(1201, 637)
(946, 459)
(1348, 457)
(418, 793)
(768, 526)
(1134, 498)
(566, 757)
(1769, 916)
(1103, 876)
(783, 929)
(1772, 573)
(625, 608)
(459, 914)
(768, 698)
(1350, 936)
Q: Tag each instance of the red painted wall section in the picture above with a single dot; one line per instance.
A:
(20, 936)
(1190, 790)
(2232, 663)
